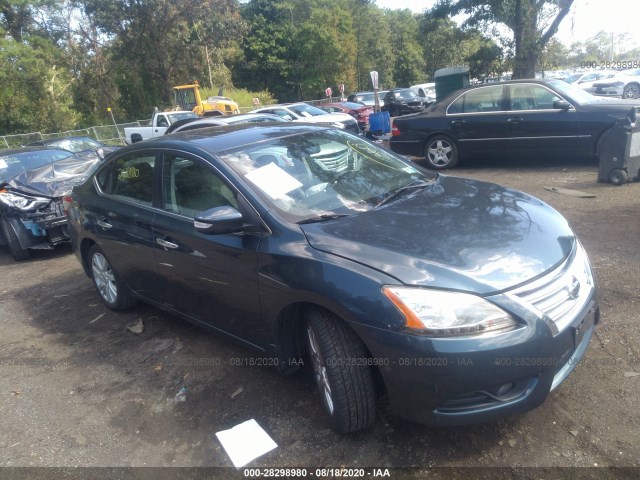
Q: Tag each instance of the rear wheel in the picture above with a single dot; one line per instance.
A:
(338, 358)
(13, 243)
(111, 289)
(441, 152)
(631, 91)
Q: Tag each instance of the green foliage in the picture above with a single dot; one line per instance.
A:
(62, 64)
(242, 96)
(532, 22)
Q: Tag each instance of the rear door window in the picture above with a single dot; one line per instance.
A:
(485, 99)
(132, 178)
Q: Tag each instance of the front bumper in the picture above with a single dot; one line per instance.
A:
(453, 382)
(608, 91)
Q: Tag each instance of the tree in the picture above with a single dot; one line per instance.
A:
(409, 62)
(532, 22)
(372, 45)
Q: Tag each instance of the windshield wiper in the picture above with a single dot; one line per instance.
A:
(322, 218)
(415, 185)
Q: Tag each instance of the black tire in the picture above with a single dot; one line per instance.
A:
(441, 152)
(618, 176)
(13, 243)
(346, 385)
(112, 291)
(631, 90)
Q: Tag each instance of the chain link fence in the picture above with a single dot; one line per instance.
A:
(107, 134)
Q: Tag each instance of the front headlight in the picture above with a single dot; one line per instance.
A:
(442, 314)
(22, 202)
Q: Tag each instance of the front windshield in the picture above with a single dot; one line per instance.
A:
(13, 164)
(405, 94)
(573, 78)
(322, 173)
(304, 110)
(77, 144)
(174, 117)
(572, 92)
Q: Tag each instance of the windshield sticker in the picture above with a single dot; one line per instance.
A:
(273, 180)
(3, 164)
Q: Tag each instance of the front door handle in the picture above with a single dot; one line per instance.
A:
(165, 244)
(104, 224)
(514, 120)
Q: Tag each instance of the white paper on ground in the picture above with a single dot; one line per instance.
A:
(245, 442)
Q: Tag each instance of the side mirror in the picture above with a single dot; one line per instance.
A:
(561, 105)
(218, 221)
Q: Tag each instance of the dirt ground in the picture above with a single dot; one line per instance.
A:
(78, 389)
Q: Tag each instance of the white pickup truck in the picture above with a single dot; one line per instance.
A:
(159, 124)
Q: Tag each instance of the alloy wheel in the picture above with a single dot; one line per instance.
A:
(103, 278)
(320, 369)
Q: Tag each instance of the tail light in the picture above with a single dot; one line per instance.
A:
(67, 200)
(395, 131)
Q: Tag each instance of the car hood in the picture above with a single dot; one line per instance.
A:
(454, 234)
(55, 179)
(614, 104)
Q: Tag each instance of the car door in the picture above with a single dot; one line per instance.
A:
(211, 278)
(478, 120)
(535, 126)
(122, 220)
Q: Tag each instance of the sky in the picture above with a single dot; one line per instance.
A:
(586, 19)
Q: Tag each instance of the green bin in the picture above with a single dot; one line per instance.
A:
(449, 80)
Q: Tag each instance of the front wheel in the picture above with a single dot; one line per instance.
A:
(111, 289)
(631, 91)
(13, 243)
(340, 366)
(441, 152)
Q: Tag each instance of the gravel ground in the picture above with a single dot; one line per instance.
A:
(78, 389)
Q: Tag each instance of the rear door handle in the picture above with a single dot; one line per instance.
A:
(457, 123)
(165, 243)
(104, 224)
(514, 120)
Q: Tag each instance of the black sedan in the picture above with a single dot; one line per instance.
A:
(520, 117)
(33, 182)
(463, 300)
(400, 101)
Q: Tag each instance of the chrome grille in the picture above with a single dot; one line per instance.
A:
(333, 162)
(561, 294)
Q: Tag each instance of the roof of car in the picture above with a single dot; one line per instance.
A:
(220, 138)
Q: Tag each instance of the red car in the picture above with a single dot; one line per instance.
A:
(357, 110)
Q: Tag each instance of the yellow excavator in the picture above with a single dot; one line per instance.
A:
(187, 97)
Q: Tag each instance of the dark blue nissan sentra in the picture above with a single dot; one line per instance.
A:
(464, 301)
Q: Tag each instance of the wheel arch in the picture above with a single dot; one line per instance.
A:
(290, 337)
(85, 246)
